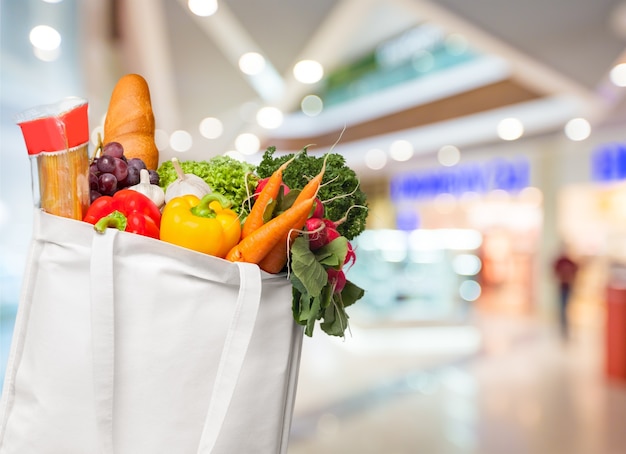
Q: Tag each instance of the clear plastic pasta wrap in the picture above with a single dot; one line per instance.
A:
(57, 138)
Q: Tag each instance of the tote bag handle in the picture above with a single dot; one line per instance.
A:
(103, 329)
(233, 354)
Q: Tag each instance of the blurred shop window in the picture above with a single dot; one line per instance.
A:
(416, 276)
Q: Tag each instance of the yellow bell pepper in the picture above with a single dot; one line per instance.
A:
(206, 225)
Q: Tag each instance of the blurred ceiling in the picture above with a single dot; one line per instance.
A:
(546, 61)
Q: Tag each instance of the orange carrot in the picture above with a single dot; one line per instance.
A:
(276, 258)
(256, 245)
(267, 194)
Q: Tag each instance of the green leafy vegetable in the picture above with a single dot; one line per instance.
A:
(313, 295)
(334, 253)
(225, 175)
(306, 272)
(340, 189)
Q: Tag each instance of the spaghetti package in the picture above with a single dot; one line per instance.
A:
(57, 138)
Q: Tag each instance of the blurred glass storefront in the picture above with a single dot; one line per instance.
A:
(482, 235)
(418, 276)
(460, 238)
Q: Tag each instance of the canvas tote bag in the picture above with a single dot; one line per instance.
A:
(128, 345)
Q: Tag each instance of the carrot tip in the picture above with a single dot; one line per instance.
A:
(234, 255)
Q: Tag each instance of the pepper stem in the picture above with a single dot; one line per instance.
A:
(114, 220)
(203, 209)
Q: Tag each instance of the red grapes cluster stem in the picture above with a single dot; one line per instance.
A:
(110, 171)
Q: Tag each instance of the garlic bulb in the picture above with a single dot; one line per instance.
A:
(186, 183)
(153, 191)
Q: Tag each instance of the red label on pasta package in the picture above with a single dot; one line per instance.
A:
(55, 128)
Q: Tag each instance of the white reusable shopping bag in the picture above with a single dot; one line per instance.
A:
(128, 345)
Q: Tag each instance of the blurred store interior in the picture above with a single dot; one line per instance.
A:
(487, 135)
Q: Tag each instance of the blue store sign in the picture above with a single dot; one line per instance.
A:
(608, 162)
(499, 173)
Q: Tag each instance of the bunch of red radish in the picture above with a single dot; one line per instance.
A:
(322, 231)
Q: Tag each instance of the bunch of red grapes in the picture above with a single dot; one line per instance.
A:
(111, 171)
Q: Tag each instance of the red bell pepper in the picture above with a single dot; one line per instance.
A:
(126, 210)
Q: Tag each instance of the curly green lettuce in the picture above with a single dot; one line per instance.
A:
(340, 190)
(227, 176)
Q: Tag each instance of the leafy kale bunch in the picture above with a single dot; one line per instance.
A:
(340, 190)
(227, 176)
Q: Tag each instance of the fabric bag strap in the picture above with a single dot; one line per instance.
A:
(21, 323)
(103, 332)
(233, 354)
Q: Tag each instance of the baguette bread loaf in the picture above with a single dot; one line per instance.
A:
(130, 120)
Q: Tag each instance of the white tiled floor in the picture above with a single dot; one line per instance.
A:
(508, 386)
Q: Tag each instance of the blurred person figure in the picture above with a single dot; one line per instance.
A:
(565, 270)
